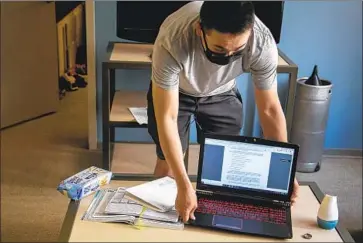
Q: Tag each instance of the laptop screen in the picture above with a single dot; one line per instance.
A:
(248, 166)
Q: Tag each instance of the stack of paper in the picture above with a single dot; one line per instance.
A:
(96, 210)
(119, 204)
(111, 205)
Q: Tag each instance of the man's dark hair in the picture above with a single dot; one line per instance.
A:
(232, 17)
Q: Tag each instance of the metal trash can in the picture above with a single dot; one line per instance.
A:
(311, 109)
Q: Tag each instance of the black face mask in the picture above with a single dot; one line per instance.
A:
(219, 58)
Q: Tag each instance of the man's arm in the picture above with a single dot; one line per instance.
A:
(271, 114)
(165, 92)
(166, 103)
(264, 75)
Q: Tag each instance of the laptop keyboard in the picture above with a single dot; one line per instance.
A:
(243, 211)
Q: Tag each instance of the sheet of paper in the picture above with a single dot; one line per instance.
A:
(160, 194)
(119, 204)
(140, 114)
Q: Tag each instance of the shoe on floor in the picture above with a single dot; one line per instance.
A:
(80, 81)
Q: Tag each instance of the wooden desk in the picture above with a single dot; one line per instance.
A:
(303, 219)
(115, 103)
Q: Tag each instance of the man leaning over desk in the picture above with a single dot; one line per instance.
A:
(199, 51)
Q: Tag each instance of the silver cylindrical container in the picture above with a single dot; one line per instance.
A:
(311, 109)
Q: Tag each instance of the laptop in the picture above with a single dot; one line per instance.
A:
(244, 185)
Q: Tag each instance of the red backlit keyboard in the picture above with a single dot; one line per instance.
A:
(243, 211)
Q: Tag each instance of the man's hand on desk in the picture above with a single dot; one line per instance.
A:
(295, 192)
(186, 202)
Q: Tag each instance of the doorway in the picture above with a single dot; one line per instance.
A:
(76, 48)
(40, 43)
(72, 56)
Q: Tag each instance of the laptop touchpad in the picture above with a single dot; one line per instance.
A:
(227, 222)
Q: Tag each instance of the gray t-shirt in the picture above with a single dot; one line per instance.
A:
(178, 59)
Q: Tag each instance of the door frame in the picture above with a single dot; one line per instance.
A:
(91, 74)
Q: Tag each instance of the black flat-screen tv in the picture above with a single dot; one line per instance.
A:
(140, 20)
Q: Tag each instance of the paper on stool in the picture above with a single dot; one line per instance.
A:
(140, 114)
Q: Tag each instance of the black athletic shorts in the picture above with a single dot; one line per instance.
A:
(218, 114)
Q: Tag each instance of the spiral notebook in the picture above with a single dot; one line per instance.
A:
(96, 212)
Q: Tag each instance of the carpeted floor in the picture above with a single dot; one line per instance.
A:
(342, 177)
(36, 155)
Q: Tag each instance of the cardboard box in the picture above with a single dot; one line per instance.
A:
(84, 183)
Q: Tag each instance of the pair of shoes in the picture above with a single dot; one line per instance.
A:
(71, 82)
(79, 80)
(66, 83)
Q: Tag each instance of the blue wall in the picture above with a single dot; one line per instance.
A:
(329, 34)
(338, 52)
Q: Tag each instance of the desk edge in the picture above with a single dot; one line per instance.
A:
(68, 222)
(73, 206)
